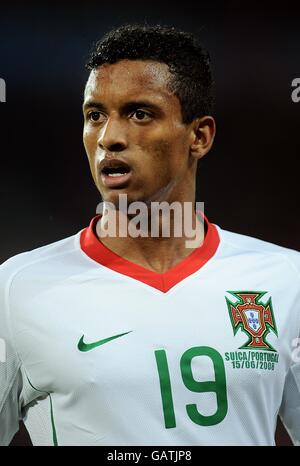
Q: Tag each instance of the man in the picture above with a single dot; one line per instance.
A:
(126, 339)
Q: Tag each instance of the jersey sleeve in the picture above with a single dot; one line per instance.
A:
(10, 372)
(290, 406)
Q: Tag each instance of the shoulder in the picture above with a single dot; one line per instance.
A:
(238, 244)
(36, 258)
(25, 275)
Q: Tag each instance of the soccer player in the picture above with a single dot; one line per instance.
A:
(140, 340)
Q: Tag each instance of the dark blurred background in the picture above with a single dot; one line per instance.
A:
(249, 181)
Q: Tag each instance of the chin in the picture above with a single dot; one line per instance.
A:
(113, 197)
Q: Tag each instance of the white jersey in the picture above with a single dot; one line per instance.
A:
(101, 351)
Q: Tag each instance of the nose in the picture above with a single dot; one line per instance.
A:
(112, 136)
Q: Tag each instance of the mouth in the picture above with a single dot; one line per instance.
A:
(115, 173)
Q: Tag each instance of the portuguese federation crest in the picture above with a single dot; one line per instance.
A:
(253, 318)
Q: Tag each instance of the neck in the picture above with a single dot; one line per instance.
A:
(155, 239)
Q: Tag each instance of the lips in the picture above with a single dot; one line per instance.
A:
(115, 173)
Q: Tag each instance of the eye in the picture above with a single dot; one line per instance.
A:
(94, 116)
(141, 115)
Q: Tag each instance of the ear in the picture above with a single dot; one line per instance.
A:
(203, 134)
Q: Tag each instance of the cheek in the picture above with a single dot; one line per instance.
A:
(166, 146)
(90, 141)
(162, 150)
(154, 158)
(90, 145)
(168, 155)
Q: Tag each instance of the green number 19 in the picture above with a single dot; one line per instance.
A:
(217, 386)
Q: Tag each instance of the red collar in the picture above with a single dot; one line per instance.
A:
(96, 250)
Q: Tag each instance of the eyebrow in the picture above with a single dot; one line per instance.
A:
(127, 107)
(90, 104)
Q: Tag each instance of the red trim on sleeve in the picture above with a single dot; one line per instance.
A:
(92, 246)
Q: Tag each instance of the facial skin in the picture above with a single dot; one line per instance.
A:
(131, 116)
(150, 136)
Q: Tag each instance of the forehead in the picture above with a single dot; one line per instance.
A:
(129, 79)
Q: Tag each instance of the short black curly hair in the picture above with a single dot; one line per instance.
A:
(187, 60)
